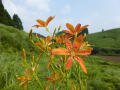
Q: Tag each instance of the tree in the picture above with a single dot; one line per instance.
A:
(4, 16)
(6, 19)
(17, 22)
(103, 30)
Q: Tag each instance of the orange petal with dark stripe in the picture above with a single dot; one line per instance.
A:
(77, 27)
(71, 33)
(82, 28)
(84, 52)
(49, 19)
(60, 51)
(70, 27)
(69, 62)
(77, 42)
(68, 44)
(82, 64)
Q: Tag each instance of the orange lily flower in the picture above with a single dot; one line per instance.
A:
(44, 23)
(73, 31)
(44, 43)
(24, 79)
(74, 50)
(60, 39)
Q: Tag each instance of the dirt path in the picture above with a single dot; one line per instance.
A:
(112, 58)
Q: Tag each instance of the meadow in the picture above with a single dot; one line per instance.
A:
(102, 74)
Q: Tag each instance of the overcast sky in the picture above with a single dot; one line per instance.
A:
(99, 14)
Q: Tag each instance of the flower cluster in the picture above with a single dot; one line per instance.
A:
(69, 46)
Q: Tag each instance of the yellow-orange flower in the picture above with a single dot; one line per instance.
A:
(44, 23)
(24, 79)
(44, 43)
(74, 50)
(60, 39)
(73, 31)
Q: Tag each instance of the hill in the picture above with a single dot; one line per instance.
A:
(13, 40)
(106, 42)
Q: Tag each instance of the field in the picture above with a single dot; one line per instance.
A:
(102, 74)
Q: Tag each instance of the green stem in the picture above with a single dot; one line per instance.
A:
(37, 79)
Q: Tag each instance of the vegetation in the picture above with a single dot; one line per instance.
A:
(6, 19)
(101, 73)
(106, 43)
(17, 22)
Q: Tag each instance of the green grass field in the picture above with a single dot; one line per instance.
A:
(106, 39)
(106, 42)
(102, 74)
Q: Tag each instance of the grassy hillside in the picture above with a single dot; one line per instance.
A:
(108, 41)
(102, 74)
(13, 40)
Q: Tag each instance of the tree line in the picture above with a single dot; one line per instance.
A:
(6, 19)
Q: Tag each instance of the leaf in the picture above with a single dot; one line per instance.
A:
(41, 22)
(69, 62)
(60, 51)
(70, 27)
(81, 62)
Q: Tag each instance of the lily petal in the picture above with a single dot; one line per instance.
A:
(60, 51)
(77, 42)
(68, 44)
(71, 33)
(48, 38)
(69, 62)
(70, 27)
(82, 28)
(49, 19)
(84, 52)
(37, 26)
(21, 78)
(22, 83)
(81, 62)
(77, 27)
(41, 22)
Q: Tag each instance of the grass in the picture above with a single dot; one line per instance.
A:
(106, 43)
(102, 74)
(106, 39)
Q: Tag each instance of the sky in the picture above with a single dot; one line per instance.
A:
(98, 14)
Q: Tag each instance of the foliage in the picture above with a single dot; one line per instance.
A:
(6, 19)
(69, 51)
(106, 41)
(101, 73)
(17, 21)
